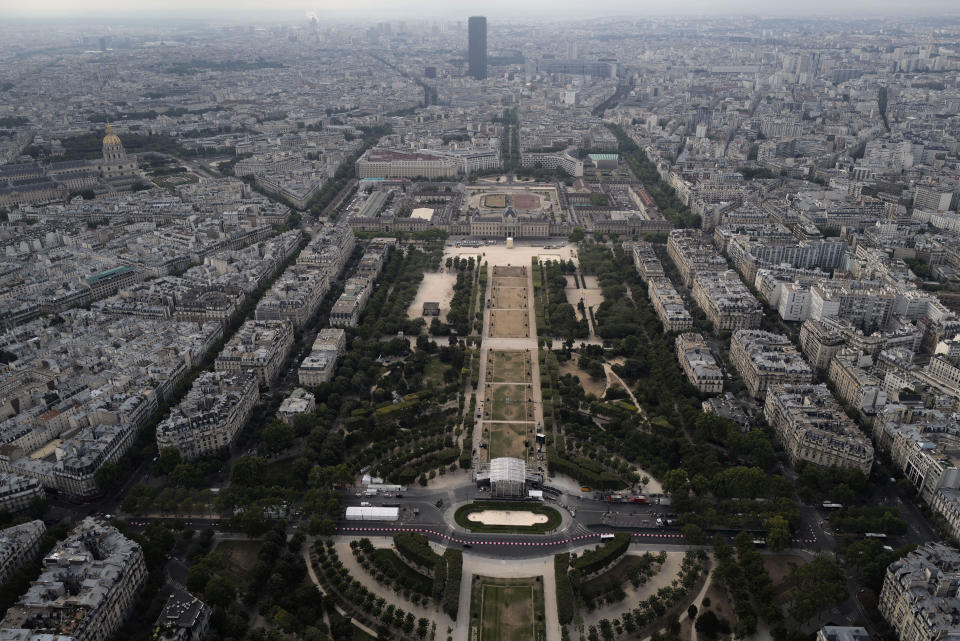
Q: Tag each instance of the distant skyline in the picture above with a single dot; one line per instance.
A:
(440, 9)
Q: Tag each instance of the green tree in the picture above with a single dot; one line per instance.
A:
(169, 459)
(710, 626)
(248, 470)
(276, 437)
(219, 591)
(694, 534)
(817, 585)
(778, 532)
(676, 482)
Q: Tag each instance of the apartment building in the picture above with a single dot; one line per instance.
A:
(211, 414)
(184, 618)
(646, 261)
(920, 597)
(70, 465)
(749, 255)
(329, 250)
(18, 492)
(821, 339)
(86, 590)
(865, 306)
(298, 403)
(693, 254)
(18, 545)
(259, 345)
(946, 371)
(764, 359)
(295, 296)
(699, 364)
(726, 301)
(320, 363)
(811, 426)
(842, 633)
(668, 305)
(346, 311)
(855, 385)
(923, 444)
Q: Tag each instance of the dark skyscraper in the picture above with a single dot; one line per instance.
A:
(478, 47)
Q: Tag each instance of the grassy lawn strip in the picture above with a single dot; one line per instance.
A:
(553, 517)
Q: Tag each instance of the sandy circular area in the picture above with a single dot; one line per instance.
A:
(506, 517)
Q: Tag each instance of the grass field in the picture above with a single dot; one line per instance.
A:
(507, 609)
(509, 298)
(509, 323)
(506, 439)
(240, 557)
(508, 367)
(433, 372)
(509, 403)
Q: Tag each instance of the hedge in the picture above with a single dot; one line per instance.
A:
(604, 555)
(439, 577)
(566, 602)
(466, 454)
(394, 568)
(585, 471)
(451, 593)
(416, 549)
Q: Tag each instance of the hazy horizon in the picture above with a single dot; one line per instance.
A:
(438, 9)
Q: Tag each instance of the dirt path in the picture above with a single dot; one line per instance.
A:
(611, 375)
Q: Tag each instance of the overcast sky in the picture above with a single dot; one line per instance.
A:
(425, 9)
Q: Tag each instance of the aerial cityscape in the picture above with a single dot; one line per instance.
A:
(464, 323)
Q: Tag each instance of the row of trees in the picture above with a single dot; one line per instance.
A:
(559, 319)
(348, 594)
(666, 198)
(460, 315)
